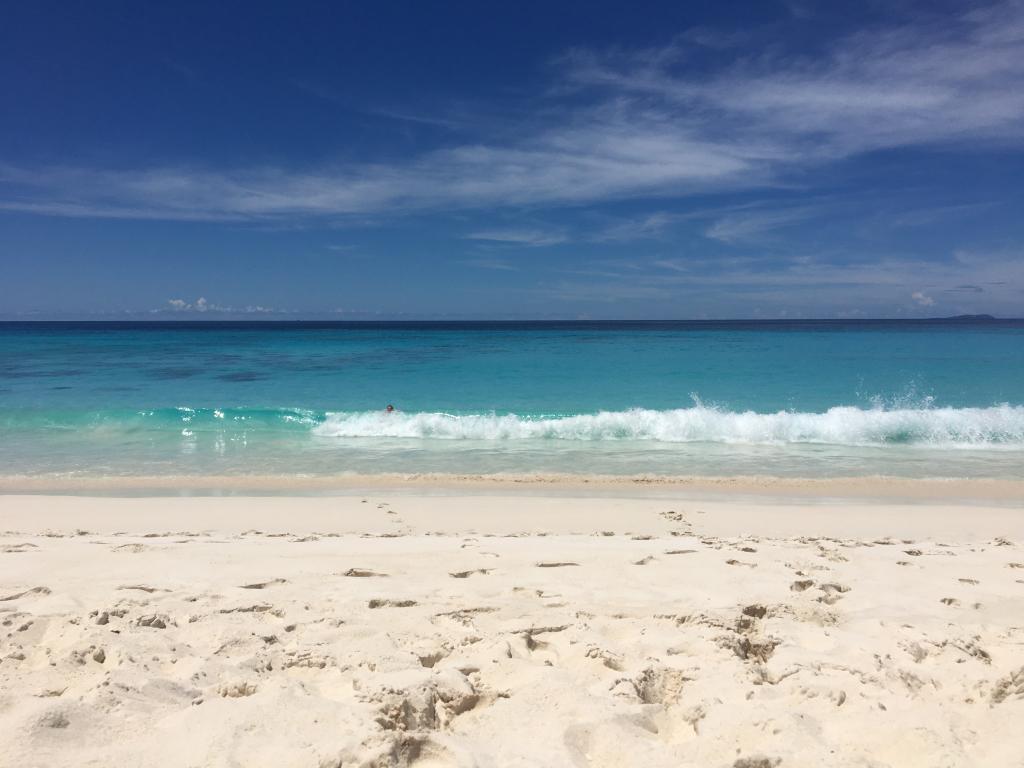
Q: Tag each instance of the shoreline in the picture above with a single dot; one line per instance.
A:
(471, 512)
(859, 487)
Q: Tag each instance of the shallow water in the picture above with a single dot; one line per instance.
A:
(811, 399)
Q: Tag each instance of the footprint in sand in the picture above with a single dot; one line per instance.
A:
(612, 661)
(385, 603)
(755, 611)
(26, 593)
(1010, 686)
(758, 649)
(757, 762)
(55, 718)
(263, 584)
(531, 634)
(131, 549)
(237, 690)
(256, 608)
(467, 574)
(833, 593)
(363, 573)
(463, 616)
(18, 548)
(544, 594)
(143, 588)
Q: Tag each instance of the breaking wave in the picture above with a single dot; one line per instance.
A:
(1001, 425)
(998, 426)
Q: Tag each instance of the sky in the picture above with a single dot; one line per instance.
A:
(465, 160)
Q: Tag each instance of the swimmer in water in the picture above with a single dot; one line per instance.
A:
(389, 409)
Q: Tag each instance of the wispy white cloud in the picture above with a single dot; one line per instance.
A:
(497, 264)
(746, 222)
(640, 124)
(343, 248)
(716, 39)
(527, 237)
(649, 226)
(922, 83)
(746, 226)
(336, 96)
(927, 216)
(611, 159)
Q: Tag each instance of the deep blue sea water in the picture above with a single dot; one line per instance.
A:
(816, 398)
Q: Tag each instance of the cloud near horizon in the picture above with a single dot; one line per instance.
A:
(201, 306)
(639, 125)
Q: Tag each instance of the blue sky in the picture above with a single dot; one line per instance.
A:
(536, 159)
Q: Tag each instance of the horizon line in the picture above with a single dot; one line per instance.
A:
(977, 318)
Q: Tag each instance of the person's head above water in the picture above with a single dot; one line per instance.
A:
(389, 409)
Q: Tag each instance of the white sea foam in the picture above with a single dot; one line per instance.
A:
(1001, 425)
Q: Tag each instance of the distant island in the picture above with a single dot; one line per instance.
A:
(963, 319)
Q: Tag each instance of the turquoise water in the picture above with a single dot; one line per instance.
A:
(796, 399)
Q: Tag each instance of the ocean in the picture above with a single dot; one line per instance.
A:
(787, 399)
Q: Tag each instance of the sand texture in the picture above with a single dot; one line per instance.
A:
(513, 630)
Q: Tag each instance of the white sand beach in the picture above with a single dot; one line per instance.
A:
(542, 627)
